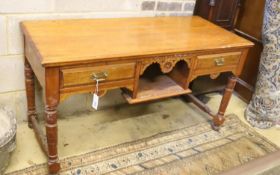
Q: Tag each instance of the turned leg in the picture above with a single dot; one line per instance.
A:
(219, 119)
(51, 132)
(30, 92)
(52, 100)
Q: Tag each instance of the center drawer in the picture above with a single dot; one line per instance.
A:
(87, 75)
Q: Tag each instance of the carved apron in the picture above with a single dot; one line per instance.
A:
(263, 110)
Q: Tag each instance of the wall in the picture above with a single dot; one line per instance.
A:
(12, 12)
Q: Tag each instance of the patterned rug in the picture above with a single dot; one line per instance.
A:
(192, 150)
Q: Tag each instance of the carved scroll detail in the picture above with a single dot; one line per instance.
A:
(166, 63)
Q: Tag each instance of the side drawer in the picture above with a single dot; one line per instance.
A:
(218, 61)
(84, 75)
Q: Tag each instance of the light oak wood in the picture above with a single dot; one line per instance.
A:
(61, 42)
(127, 83)
(160, 87)
(217, 63)
(84, 75)
(218, 60)
(33, 55)
(67, 56)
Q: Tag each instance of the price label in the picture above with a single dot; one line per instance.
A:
(95, 97)
(95, 100)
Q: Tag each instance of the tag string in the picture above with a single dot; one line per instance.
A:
(96, 89)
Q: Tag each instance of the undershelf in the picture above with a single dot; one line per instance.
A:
(160, 87)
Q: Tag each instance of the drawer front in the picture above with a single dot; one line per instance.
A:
(87, 75)
(218, 61)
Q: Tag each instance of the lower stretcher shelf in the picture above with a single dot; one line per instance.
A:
(151, 89)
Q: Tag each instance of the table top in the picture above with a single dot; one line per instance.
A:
(81, 40)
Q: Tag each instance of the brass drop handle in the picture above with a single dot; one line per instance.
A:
(99, 76)
(219, 61)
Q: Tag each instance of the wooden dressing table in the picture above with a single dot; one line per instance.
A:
(149, 58)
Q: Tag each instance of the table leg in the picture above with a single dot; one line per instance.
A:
(51, 132)
(219, 119)
(30, 92)
(52, 100)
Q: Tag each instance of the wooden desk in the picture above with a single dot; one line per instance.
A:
(67, 56)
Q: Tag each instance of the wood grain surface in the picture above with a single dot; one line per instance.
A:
(61, 42)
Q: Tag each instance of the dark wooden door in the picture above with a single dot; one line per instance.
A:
(202, 8)
(244, 17)
(224, 13)
(221, 12)
(249, 25)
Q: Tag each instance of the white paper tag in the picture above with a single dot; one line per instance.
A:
(95, 100)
